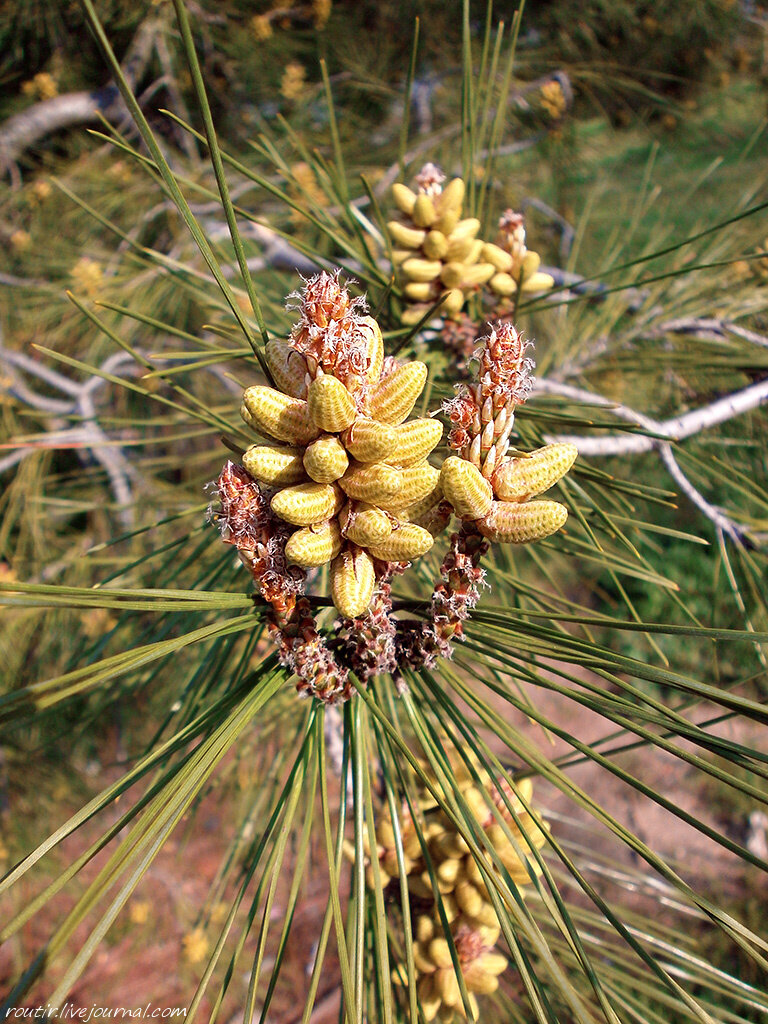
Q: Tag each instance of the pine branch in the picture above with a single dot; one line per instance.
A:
(660, 435)
(676, 429)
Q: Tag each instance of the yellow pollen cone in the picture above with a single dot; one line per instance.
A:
(374, 347)
(406, 237)
(325, 460)
(453, 301)
(288, 368)
(413, 441)
(368, 440)
(365, 525)
(508, 522)
(275, 466)
(439, 952)
(418, 491)
(331, 406)
(423, 212)
(466, 488)
(503, 284)
(404, 544)
(313, 546)
(404, 198)
(538, 282)
(419, 291)
(452, 196)
(435, 245)
(518, 479)
(467, 228)
(352, 582)
(500, 258)
(422, 270)
(392, 400)
(373, 482)
(278, 415)
(306, 504)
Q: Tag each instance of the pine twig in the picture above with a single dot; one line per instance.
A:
(81, 405)
(675, 429)
(716, 515)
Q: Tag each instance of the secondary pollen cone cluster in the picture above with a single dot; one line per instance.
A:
(521, 266)
(437, 251)
(439, 256)
(461, 878)
(485, 486)
(347, 475)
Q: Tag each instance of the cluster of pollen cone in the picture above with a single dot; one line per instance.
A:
(346, 468)
(484, 485)
(440, 257)
(461, 884)
(342, 478)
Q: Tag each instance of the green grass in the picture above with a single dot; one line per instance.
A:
(696, 171)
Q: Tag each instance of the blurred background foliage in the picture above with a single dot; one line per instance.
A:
(637, 177)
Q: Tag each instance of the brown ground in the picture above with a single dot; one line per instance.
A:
(143, 958)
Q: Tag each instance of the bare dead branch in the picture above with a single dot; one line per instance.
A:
(22, 131)
(87, 435)
(663, 434)
(675, 429)
(712, 512)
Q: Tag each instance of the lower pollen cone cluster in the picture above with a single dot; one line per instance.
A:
(343, 465)
(440, 867)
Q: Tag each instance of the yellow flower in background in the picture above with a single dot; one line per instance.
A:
(220, 912)
(304, 188)
(553, 99)
(87, 276)
(42, 87)
(138, 911)
(294, 80)
(97, 621)
(20, 240)
(121, 171)
(321, 12)
(760, 265)
(41, 190)
(195, 946)
(261, 27)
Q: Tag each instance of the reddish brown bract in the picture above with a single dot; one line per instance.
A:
(329, 329)
(244, 511)
(505, 372)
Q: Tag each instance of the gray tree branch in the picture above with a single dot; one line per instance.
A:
(675, 429)
(22, 131)
(664, 433)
